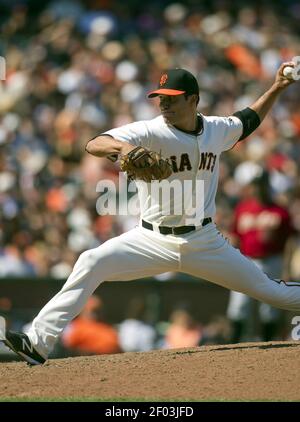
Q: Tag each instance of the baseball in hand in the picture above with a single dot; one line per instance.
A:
(288, 72)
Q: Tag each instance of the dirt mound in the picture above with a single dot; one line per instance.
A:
(247, 371)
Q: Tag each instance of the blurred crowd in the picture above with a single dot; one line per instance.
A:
(77, 68)
(140, 329)
(91, 332)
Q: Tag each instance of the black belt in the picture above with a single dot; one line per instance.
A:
(175, 230)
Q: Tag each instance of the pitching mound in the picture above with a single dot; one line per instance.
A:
(248, 371)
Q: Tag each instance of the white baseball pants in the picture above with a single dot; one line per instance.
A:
(139, 253)
(240, 306)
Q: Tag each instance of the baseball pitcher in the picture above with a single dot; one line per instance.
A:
(180, 145)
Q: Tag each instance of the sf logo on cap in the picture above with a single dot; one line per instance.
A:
(163, 79)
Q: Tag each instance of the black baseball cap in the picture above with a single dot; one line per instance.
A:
(176, 82)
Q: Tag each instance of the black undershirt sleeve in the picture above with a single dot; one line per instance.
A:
(250, 120)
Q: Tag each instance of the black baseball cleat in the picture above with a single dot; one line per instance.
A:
(20, 344)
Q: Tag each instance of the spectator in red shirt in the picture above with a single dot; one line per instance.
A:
(261, 229)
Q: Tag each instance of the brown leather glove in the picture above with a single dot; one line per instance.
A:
(143, 164)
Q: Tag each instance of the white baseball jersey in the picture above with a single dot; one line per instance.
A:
(194, 158)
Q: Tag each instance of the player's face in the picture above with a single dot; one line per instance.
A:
(175, 108)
